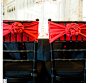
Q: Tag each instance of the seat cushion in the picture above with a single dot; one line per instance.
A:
(66, 68)
(20, 69)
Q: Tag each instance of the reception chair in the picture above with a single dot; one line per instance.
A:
(70, 63)
(20, 39)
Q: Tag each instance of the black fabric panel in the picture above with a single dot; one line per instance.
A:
(29, 46)
(12, 46)
(43, 50)
(71, 55)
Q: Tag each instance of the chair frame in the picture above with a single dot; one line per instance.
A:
(34, 74)
(53, 77)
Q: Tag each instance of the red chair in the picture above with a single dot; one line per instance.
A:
(71, 39)
(16, 66)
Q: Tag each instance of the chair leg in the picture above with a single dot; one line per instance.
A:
(84, 71)
(34, 80)
(52, 79)
(52, 63)
(35, 63)
(84, 76)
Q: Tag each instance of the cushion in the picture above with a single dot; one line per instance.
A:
(66, 68)
(20, 69)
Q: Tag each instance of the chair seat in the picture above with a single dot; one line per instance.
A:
(21, 69)
(66, 68)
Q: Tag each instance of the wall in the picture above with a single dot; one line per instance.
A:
(57, 10)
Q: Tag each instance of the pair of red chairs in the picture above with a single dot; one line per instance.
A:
(68, 33)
